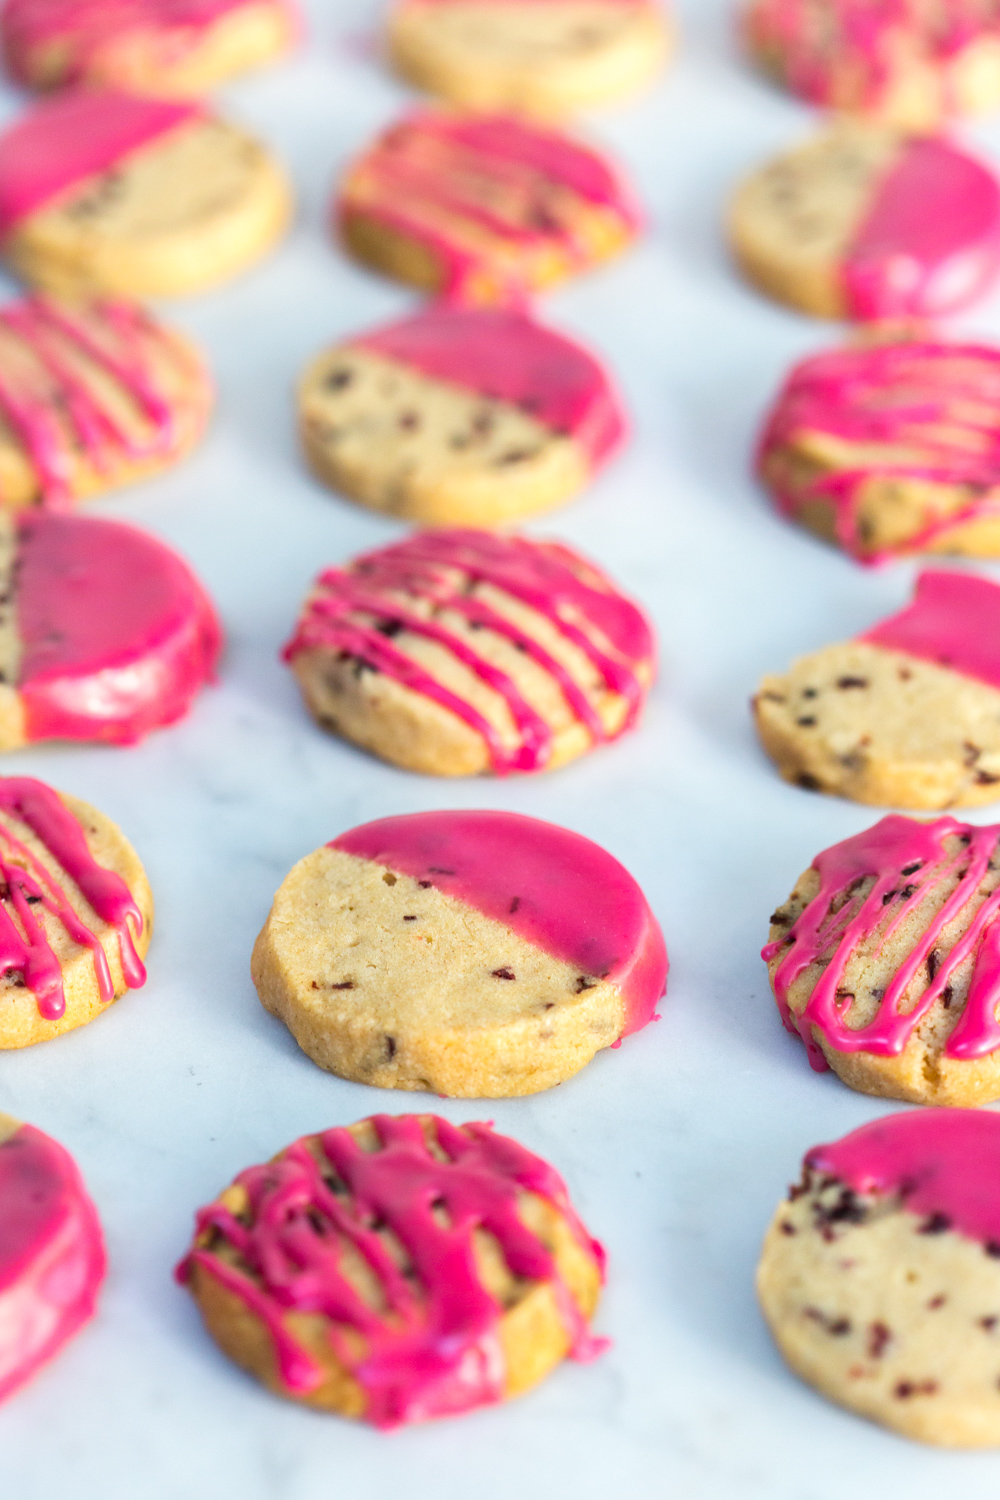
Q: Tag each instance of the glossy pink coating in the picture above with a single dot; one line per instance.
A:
(504, 354)
(359, 609)
(554, 888)
(52, 1260)
(954, 622)
(435, 1351)
(118, 636)
(57, 145)
(944, 1164)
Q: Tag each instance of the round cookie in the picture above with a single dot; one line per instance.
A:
(76, 913)
(866, 222)
(541, 57)
(147, 46)
(474, 416)
(902, 61)
(113, 193)
(484, 207)
(397, 1270)
(906, 715)
(457, 653)
(470, 954)
(891, 448)
(52, 1260)
(879, 1277)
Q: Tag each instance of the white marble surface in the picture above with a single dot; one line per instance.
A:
(676, 1147)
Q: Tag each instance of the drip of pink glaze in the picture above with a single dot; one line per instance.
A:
(435, 1350)
(433, 566)
(905, 860)
(942, 1164)
(954, 622)
(101, 661)
(59, 144)
(504, 354)
(52, 1260)
(556, 889)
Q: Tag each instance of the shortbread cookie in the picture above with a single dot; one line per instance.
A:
(885, 960)
(148, 46)
(891, 448)
(136, 197)
(474, 416)
(542, 57)
(474, 954)
(75, 913)
(52, 1260)
(865, 222)
(907, 715)
(397, 1270)
(880, 1278)
(487, 207)
(456, 653)
(904, 61)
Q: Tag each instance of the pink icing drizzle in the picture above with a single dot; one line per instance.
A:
(357, 610)
(436, 1349)
(60, 143)
(954, 621)
(554, 888)
(52, 1260)
(504, 354)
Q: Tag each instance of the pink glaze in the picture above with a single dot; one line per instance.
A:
(435, 1350)
(943, 1163)
(954, 621)
(357, 610)
(118, 636)
(505, 355)
(907, 860)
(52, 1260)
(554, 888)
(930, 243)
(59, 144)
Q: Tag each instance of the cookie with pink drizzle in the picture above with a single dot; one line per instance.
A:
(52, 1260)
(474, 416)
(459, 652)
(482, 207)
(901, 60)
(866, 222)
(149, 46)
(906, 715)
(473, 954)
(880, 1279)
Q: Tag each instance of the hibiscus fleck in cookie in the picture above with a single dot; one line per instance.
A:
(891, 448)
(149, 46)
(867, 222)
(114, 193)
(906, 715)
(458, 652)
(472, 954)
(52, 1260)
(474, 416)
(483, 206)
(397, 1270)
(543, 57)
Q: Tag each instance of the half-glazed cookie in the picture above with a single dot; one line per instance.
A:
(397, 1270)
(485, 206)
(880, 1280)
(891, 448)
(148, 46)
(906, 715)
(467, 416)
(52, 1260)
(543, 57)
(866, 222)
(134, 196)
(474, 954)
(456, 653)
